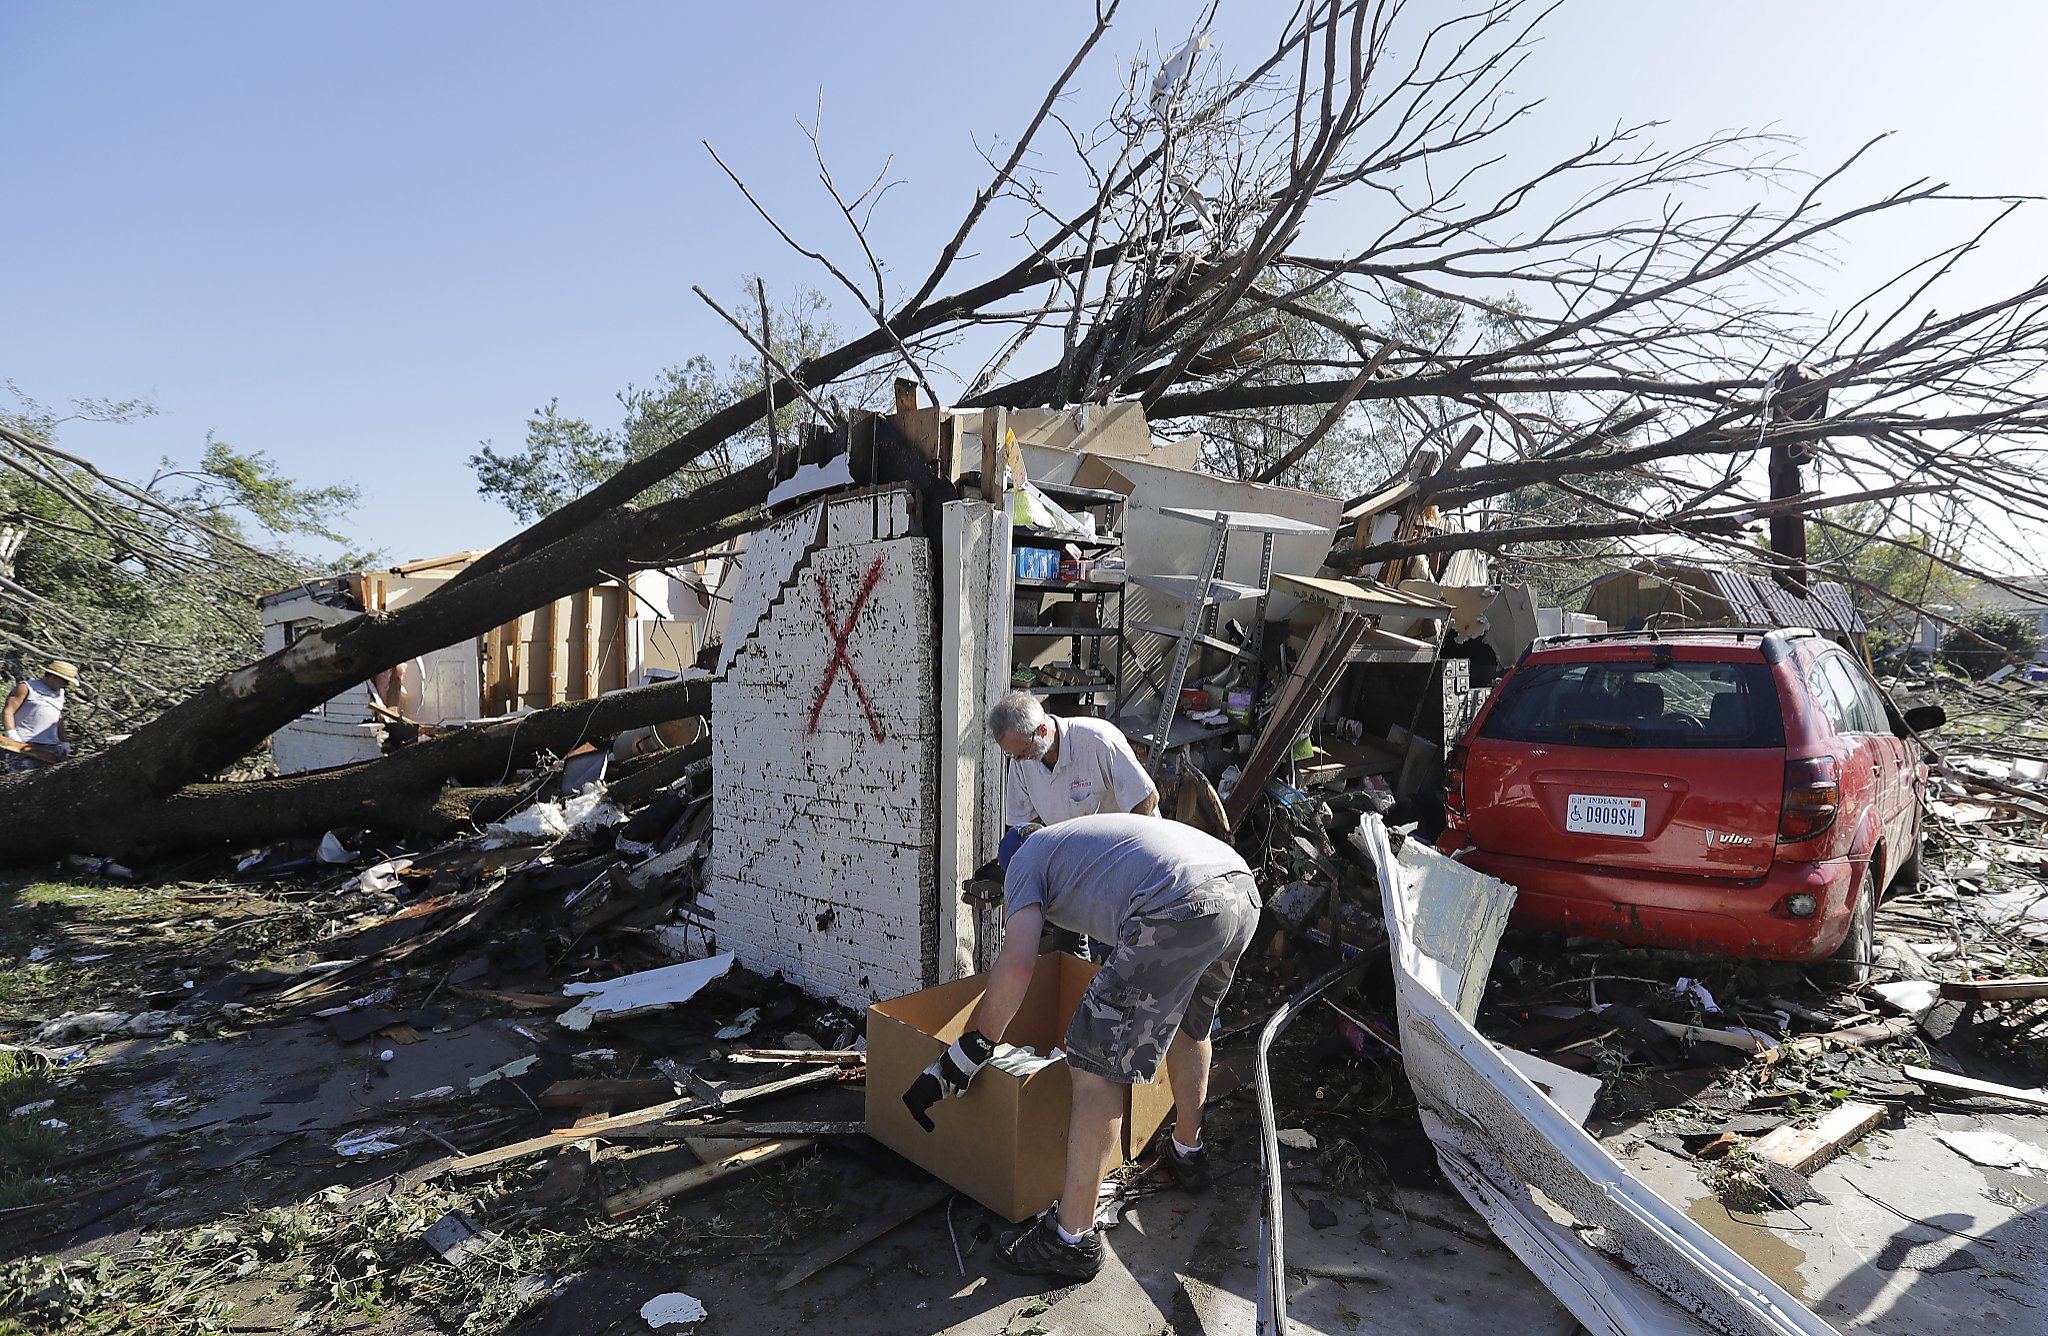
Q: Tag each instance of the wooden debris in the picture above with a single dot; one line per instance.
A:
(1995, 990)
(879, 1220)
(1805, 1149)
(704, 1176)
(842, 1056)
(675, 1131)
(1855, 1036)
(1966, 1085)
(571, 1166)
(721, 1096)
(523, 1001)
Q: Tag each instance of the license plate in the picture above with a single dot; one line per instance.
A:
(1592, 814)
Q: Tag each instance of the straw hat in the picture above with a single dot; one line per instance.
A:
(63, 671)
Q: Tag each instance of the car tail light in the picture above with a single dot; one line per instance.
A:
(1813, 794)
(1454, 788)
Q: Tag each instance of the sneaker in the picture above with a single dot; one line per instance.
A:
(1038, 1250)
(1190, 1173)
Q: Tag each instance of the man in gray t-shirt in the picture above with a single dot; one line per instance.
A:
(1180, 907)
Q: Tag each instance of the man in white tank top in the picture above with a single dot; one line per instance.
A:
(34, 717)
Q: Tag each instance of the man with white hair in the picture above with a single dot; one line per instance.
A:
(1064, 768)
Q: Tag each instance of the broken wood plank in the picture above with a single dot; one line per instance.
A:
(1856, 1036)
(787, 1055)
(571, 1166)
(524, 1001)
(674, 1131)
(725, 1096)
(1968, 1085)
(653, 1113)
(1805, 1149)
(880, 1220)
(1995, 990)
(703, 1176)
(624, 1090)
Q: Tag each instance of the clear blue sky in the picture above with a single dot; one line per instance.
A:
(365, 236)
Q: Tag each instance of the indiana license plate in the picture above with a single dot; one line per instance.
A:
(1595, 814)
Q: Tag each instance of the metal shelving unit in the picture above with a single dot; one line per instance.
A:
(1087, 642)
(1203, 594)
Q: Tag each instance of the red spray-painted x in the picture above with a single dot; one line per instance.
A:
(841, 633)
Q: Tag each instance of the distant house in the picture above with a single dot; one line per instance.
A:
(626, 633)
(1661, 594)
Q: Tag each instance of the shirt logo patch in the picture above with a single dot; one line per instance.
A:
(1080, 790)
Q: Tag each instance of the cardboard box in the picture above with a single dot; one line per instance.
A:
(1003, 1143)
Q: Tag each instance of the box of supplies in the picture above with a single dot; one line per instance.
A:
(1003, 1143)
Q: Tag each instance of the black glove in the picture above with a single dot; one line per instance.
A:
(948, 1077)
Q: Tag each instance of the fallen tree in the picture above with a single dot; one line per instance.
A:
(1601, 327)
(430, 787)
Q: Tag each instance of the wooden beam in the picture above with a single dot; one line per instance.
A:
(879, 1220)
(703, 1176)
(1856, 1036)
(994, 421)
(1995, 990)
(1966, 1085)
(1805, 1149)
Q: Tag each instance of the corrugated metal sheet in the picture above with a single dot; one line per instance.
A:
(1758, 600)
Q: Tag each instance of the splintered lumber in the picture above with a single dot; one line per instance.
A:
(524, 1001)
(724, 1096)
(571, 1166)
(653, 1113)
(880, 1220)
(551, 1140)
(703, 1176)
(788, 1055)
(672, 1131)
(1855, 1036)
(1995, 990)
(1967, 1085)
(1805, 1149)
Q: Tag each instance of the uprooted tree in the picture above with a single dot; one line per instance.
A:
(1610, 321)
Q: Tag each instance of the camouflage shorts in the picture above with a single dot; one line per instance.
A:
(1169, 971)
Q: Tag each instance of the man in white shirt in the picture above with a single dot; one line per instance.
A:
(1064, 768)
(34, 717)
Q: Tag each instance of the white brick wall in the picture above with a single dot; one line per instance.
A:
(823, 851)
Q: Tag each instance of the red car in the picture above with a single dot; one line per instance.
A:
(1745, 793)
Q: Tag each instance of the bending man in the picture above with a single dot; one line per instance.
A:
(1181, 907)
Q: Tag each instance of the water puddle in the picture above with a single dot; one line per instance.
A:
(1768, 1250)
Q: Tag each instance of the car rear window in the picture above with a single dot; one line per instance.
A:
(1637, 704)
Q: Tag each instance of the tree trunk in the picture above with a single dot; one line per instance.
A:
(62, 808)
(410, 789)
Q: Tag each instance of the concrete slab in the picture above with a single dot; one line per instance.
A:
(1181, 1265)
(1915, 1240)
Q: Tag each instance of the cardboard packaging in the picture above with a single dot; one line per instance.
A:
(1003, 1143)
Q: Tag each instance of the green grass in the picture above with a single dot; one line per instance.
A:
(26, 1146)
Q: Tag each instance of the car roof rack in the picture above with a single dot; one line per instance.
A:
(1774, 640)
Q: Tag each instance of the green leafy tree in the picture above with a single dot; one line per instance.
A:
(1892, 570)
(1988, 641)
(150, 587)
(565, 456)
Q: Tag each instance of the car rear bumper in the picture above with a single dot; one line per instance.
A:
(1707, 915)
